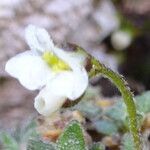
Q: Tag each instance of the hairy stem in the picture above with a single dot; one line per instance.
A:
(127, 95)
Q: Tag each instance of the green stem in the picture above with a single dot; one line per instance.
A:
(127, 95)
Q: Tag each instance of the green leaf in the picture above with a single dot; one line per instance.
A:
(34, 144)
(97, 146)
(127, 142)
(89, 109)
(143, 102)
(106, 127)
(22, 133)
(8, 142)
(118, 113)
(87, 105)
(72, 138)
(29, 131)
(91, 93)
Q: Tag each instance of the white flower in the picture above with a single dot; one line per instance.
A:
(58, 74)
(121, 40)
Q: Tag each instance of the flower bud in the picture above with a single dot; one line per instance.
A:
(121, 40)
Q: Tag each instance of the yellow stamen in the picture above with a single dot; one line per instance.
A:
(55, 63)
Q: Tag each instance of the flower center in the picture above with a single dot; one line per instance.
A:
(54, 62)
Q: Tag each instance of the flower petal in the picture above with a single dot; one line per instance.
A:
(78, 77)
(64, 85)
(72, 59)
(29, 69)
(38, 39)
(69, 84)
(80, 84)
(47, 102)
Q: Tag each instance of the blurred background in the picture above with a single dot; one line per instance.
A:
(114, 31)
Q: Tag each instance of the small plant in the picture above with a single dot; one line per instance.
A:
(62, 76)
